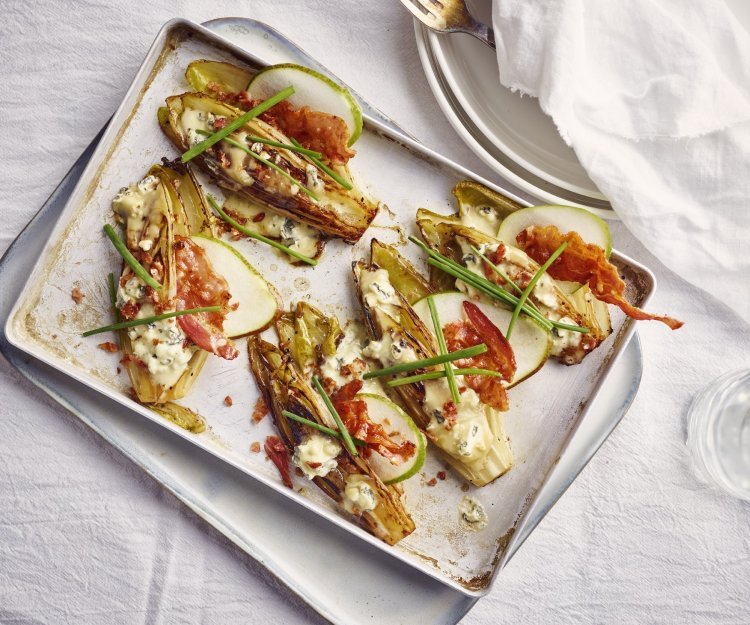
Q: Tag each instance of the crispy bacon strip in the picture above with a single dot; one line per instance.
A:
(584, 263)
(315, 130)
(498, 357)
(279, 455)
(199, 285)
(353, 413)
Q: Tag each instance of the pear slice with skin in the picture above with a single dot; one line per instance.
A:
(592, 229)
(258, 303)
(530, 342)
(400, 427)
(311, 89)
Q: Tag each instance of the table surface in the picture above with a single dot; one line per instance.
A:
(85, 536)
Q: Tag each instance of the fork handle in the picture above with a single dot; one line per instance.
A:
(483, 32)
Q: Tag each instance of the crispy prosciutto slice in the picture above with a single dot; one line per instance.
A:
(498, 357)
(199, 285)
(584, 263)
(353, 413)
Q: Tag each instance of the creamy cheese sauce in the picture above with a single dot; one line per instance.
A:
(483, 218)
(160, 345)
(317, 455)
(141, 207)
(348, 357)
(472, 514)
(359, 494)
(134, 290)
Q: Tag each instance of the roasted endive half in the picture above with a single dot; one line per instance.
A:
(169, 233)
(450, 237)
(293, 184)
(345, 478)
(394, 447)
(469, 433)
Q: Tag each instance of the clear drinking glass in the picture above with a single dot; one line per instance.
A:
(719, 432)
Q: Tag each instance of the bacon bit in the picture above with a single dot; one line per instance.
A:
(432, 482)
(130, 309)
(127, 358)
(109, 346)
(77, 295)
(255, 447)
(353, 413)
(240, 99)
(450, 412)
(299, 472)
(441, 475)
(223, 159)
(498, 357)
(260, 410)
(584, 263)
(119, 371)
(228, 401)
(465, 487)
(220, 122)
(199, 285)
(277, 452)
(259, 217)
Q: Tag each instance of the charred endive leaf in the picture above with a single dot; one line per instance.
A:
(212, 76)
(284, 388)
(390, 320)
(337, 212)
(482, 208)
(180, 415)
(308, 335)
(455, 240)
(407, 280)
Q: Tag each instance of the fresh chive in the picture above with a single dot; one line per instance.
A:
(267, 163)
(113, 295)
(321, 428)
(434, 375)
(321, 165)
(259, 237)
(498, 271)
(286, 146)
(427, 362)
(443, 350)
(131, 323)
(232, 126)
(137, 268)
(530, 286)
(346, 437)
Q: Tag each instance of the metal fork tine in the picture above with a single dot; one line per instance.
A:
(424, 14)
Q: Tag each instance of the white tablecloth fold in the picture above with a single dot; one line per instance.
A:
(654, 97)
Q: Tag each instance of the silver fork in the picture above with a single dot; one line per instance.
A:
(449, 16)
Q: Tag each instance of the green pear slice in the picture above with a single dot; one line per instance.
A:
(256, 299)
(530, 342)
(400, 427)
(591, 228)
(311, 89)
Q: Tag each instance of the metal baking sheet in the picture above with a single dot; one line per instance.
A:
(47, 324)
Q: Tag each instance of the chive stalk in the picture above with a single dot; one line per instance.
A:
(403, 367)
(530, 286)
(451, 377)
(286, 146)
(234, 125)
(267, 163)
(131, 323)
(321, 165)
(259, 237)
(113, 295)
(321, 428)
(137, 268)
(435, 375)
(346, 437)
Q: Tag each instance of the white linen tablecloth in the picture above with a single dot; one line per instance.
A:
(86, 537)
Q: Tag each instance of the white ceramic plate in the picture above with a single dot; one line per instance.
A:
(508, 132)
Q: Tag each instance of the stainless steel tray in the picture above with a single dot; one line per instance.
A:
(529, 517)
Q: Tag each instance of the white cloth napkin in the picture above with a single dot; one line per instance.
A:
(654, 97)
